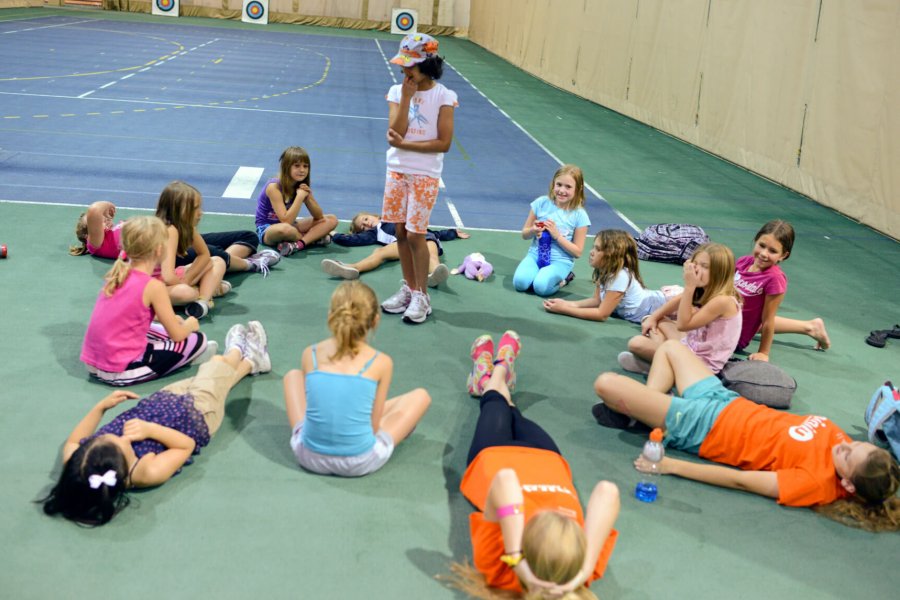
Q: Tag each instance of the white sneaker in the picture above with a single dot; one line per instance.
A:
(264, 259)
(419, 308)
(399, 302)
(438, 276)
(632, 363)
(336, 268)
(212, 347)
(258, 348)
(237, 338)
(223, 288)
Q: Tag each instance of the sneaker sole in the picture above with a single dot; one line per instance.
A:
(438, 276)
(196, 310)
(212, 348)
(285, 251)
(412, 321)
(394, 311)
(336, 269)
(631, 363)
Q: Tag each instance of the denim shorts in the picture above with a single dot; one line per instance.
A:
(261, 232)
(343, 466)
(691, 416)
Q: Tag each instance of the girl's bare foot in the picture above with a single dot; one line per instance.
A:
(816, 330)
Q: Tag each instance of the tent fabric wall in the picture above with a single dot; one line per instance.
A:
(799, 91)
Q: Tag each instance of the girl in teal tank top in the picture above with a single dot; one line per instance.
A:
(341, 419)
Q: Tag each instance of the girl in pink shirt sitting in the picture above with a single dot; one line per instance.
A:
(759, 279)
(707, 314)
(122, 345)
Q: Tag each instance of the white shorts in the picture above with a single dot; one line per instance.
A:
(343, 466)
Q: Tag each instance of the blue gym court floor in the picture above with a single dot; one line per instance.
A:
(98, 105)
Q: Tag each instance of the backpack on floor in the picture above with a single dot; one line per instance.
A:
(670, 242)
(760, 381)
(883, 418)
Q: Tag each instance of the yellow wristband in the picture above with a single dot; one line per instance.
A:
(512, 559)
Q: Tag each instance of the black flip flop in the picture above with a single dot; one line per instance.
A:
(893, 333)
(878, 338)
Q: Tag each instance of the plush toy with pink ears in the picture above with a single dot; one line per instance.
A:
(475, 266)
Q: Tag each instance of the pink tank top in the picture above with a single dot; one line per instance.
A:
(117, 333)
(715, 342)
(112, 243)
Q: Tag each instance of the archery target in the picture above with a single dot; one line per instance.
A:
(404, 21)
(256, 11)
(165, 8)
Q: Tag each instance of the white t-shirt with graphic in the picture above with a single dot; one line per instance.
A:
(424, 108)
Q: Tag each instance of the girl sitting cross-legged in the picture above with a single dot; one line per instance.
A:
(341, 419)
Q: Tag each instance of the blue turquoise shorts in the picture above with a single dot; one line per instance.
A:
(692, 416)
(261, 231)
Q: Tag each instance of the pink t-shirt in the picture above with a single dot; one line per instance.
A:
(754, 287)
(715, 342)
(117, 332)
(111, 245)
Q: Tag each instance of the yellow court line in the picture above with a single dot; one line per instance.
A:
(179, 45)
(254, 98)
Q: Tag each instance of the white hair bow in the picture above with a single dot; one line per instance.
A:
(108, 478)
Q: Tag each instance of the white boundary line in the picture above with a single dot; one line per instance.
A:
(205, 212)
(44, 27)
(386, 61)
(541, 146)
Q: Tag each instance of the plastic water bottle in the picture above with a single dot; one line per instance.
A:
(544, 249)
(646, 489)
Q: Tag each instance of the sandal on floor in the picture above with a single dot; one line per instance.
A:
(893, 333)
(878, 338)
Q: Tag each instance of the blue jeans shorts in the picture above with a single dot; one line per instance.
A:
(261, 232)
(691, 416)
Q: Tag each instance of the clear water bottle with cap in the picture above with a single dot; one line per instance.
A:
(647, 488)
(544, 249)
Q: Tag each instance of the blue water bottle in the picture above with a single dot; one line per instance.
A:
(544, 249)
(647, 489)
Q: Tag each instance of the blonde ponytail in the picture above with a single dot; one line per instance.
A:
(554, 546)
(353, 311)
(141, 237)
(116, 276)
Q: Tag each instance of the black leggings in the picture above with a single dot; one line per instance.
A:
(500, 424)
(218, 242)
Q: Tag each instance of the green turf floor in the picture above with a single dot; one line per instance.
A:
(244, 521)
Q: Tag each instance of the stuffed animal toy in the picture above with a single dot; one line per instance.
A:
(475, 266)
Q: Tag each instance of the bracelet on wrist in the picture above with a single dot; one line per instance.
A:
(511, 559)
(508, 510)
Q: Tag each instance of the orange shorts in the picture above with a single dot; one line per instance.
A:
(409, 199)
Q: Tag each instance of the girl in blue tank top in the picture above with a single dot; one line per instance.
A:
(341, 420)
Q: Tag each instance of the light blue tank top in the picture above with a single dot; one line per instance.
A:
(339, 411)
